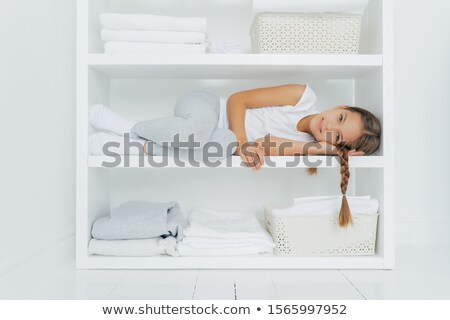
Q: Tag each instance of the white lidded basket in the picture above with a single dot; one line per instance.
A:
(321, 235)
(305, 33)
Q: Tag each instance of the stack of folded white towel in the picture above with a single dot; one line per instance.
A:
(153, 34)
(329, 205)
(221, 233)
(137, 228)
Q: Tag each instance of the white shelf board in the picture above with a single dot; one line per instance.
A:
(272, 162)
(233, 66)
(262, 261)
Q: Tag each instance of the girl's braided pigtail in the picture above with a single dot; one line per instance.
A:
(345, 216)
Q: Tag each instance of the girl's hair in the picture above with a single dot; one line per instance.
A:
(368, 143)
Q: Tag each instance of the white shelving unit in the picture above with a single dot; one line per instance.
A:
(146, 86)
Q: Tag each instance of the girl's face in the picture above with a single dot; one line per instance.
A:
(337, 126)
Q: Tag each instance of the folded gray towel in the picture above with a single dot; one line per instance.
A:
(140, 220)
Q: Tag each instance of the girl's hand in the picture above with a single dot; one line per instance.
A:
(331, 149)
(326, 148)
(355, 153)
(252, 155)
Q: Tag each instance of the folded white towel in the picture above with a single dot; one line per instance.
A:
(186, 250)
(210, 243)
(330, 207)
(134, 248)
(153, 36)
(343, 6)
(225, 224)
(153, 48)
(117, 21)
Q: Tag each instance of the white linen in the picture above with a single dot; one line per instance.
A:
(200, 242)
(225, 225)
(224, 233)
(134, 248)
(186, 250)
(117, 21)
(152, 36)
(329, 207)
(334, 6)
(117, 47)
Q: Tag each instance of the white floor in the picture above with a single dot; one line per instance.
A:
(422, 272)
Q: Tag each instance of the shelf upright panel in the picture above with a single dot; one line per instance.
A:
(388, 133)
(82, 133)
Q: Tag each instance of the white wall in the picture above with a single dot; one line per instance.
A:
(37, 128)
(422, 115)
(37, 124)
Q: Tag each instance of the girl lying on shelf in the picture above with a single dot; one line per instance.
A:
(276, 121)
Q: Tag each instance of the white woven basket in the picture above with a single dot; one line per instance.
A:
(305, 33)
(321, 235)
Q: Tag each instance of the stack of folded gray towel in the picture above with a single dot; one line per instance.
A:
(138, 228)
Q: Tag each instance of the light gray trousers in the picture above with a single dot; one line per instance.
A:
(191, 131)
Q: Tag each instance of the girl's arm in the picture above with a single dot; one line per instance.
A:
(257, 98)
(275, 146)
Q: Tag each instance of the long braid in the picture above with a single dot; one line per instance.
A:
(367, 143)
(345, 216)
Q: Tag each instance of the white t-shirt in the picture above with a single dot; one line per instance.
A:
(279, 121)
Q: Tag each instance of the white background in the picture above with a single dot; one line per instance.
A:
(37, 125)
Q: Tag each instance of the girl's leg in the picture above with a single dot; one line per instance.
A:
(196, 114)
(196, 117)
(222, 144)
